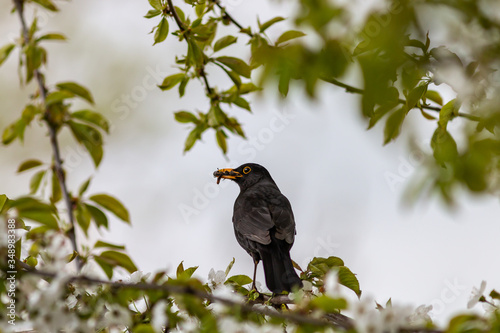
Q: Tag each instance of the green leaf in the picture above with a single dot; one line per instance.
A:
(90, 138)
(493, 294)
(393, 124)
(242, 103)
(58, 96)
(185, 117)
(5, 51)
(98, 216)
(3, 201)
(185, 274)
(171, 81)
(224, 42)
(200, 9)
(107, 268)
(144, 328)
(239, 280)
(108, 245)
(92, 117)
(263, 27)
(228, 268)
(29, 164)
(152, 13)
(76, 89)
(444, 146)
(221, 140)
(56, 189)
(415, 95)
(84, 187)
(156, 4)
(161, 32)
(348, 279)
(237, 65)
(42, 217)
(9, 134)
(329, 305)
(47, 4)
(114, 258)
(112, 205)
(434, 96)
(320, 266)
(83, 218)
(448, 112)
(380, 112)
(51, 36)
(192, 137)
(288, 35)
(36, 180)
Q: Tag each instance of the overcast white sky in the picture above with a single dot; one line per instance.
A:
(333, 171)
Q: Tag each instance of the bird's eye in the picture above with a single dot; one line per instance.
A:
(246, 170)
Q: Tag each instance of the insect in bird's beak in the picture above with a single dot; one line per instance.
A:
(227, 174)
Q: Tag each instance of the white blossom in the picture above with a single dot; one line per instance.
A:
(137, 276)
(216, 279)
(158, 316)
(476, 295)
(332, 284)
(420, 316)
(116, 315)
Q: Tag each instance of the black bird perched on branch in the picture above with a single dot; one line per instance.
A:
(263, 224)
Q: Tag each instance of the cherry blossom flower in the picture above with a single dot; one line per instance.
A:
(216, 279)
(476, 295)
(420, 316)
(158, 316)
(116, 316)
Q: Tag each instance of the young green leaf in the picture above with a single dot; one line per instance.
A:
(76, 89)
(185, 117)
(348, 279)
(415, 95)
(444, 146)
(434, 96)
(35, 181)
(5, 51)
(52, 36)
(108, 245)
(329, 305)
(289, 35)
(156, 4)
(3, 201)
(98, 216)
(90, 138)
(107, 268)
(92, 117)
(152, 13)
(83, 218)
(161, 31)
(221, 140)
(47, 4)
(29, 164)
(393, 124)
(448, 111)
(56, 194)
(113, 205)
(58, 96)
(114, 258)
(239, 280)
(264, 26)
(242, 103)
(237, 65)
(228, 268)
(171, 81)
(224, 42)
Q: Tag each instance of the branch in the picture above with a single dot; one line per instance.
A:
(337, 320)
(230, 18)
(58, 169)
(351, 89)
(183, 29)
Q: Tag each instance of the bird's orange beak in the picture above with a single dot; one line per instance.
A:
(227, 174)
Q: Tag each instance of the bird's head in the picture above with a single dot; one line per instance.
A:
(245, 175)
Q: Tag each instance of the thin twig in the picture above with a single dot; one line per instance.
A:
(58, 169)
(230, 18)
(351, 89)
(183, 28)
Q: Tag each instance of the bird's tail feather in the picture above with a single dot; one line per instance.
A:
(278, 267)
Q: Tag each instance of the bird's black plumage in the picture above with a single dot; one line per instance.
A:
(264, 224)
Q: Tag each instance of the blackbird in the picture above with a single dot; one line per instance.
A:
(264, 225)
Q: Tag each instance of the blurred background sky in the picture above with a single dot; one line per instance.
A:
(333, 171)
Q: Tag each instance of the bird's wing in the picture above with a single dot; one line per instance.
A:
(255, 216)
